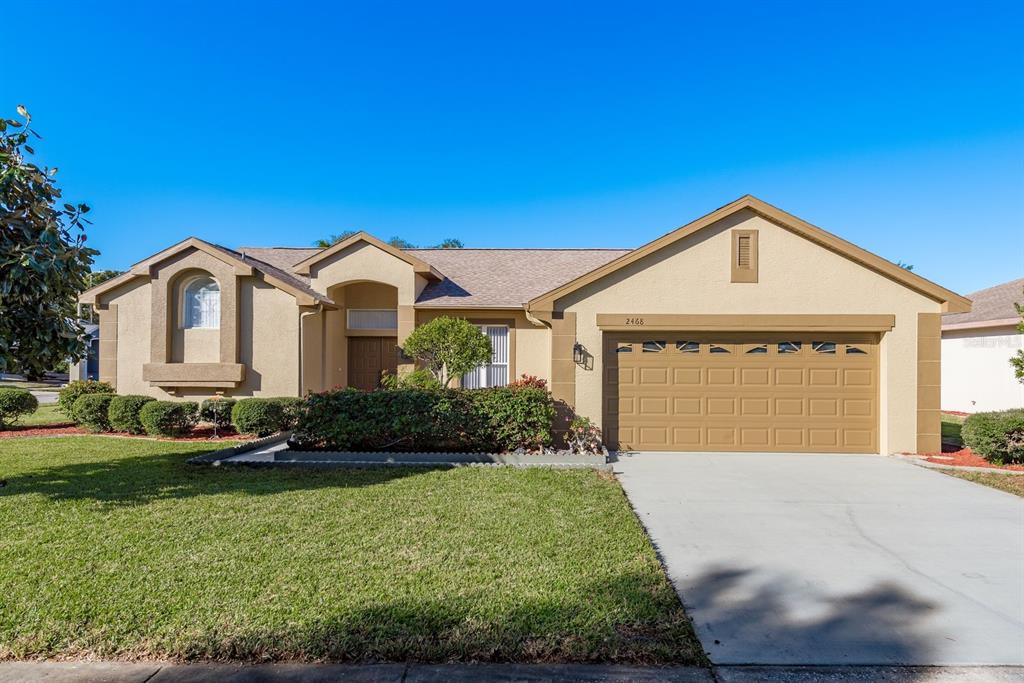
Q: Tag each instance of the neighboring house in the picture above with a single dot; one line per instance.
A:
(745, 330)
(976, 351)
(88, 367)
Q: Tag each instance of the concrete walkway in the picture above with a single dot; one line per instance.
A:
(118, 672)
(834, 559)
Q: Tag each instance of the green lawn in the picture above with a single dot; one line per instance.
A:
(45, 415)
(1011, 483)
(951, 425)
(116, 548)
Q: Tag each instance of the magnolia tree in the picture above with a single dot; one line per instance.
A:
(448, 347)
(44, 263)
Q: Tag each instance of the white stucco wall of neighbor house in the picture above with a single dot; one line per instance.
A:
(976, 371)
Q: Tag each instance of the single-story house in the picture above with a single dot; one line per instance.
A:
(976, 351)
(748, 329)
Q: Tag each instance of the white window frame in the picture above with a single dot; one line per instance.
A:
(350, 311)
(477, 378)
(189, 309)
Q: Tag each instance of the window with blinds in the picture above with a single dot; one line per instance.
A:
(372, 319)
(495, 373)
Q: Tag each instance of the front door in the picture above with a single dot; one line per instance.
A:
(368, 357)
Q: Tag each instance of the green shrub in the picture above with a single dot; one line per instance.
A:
(291, 408)
(92, 411)
(260, 416)
(168, 418)
(517, 417)
(14, 403)
(70, 393)
(420, 378)
(998, 436)
(123, 413)
(217, 411)
(500, 419)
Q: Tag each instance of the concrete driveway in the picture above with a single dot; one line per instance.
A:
(835, 559)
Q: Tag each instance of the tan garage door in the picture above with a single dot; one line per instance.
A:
(741, 392)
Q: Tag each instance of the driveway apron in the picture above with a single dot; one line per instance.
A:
(835, 559)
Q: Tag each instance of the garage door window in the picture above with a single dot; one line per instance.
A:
(854, 349)
(789, 347)
(687, 347)
(823, 347)
(654, 346)
(760, 348)
(715, 348)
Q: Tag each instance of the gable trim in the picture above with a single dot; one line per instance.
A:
(146, 268)
(951, 301)
(420, 267)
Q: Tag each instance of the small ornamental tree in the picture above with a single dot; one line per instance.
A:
(44, 262)
(448, 347)
(1017, 361)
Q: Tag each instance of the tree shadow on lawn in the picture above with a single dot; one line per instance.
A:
(628, 618)
(141, 479)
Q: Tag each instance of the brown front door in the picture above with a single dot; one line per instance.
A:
(682, 391)
(368, 357)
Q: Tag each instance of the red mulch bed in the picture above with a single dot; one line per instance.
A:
(198, 434)
(965, 457)
(958, 413)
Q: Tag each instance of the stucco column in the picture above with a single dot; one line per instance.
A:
(929, 371)
(406, 324)
(108, 344)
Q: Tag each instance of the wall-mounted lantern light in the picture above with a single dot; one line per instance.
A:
(577, 353)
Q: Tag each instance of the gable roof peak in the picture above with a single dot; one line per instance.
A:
(420, 266)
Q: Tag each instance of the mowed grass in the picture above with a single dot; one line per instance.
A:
(116, 548)
(46, 415)
(1011, 483)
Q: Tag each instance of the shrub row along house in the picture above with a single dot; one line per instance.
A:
(745, 330)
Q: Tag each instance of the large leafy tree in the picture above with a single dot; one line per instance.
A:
(448, 347)
(44, 263)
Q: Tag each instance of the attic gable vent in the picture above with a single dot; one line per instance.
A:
(744, 256)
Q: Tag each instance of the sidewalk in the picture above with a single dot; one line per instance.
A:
(125, 672)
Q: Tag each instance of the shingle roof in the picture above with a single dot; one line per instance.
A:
(504, 277)
(473, 278)
(994, 303)
(276, 262)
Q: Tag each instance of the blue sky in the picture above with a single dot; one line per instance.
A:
(898, 126)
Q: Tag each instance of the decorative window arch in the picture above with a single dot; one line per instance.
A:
(201, 303)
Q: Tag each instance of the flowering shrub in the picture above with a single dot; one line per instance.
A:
(529, 382)
(583, 436)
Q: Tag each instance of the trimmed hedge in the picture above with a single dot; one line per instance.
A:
(169, 418)
(69, 394)
(291, 408)
(14, 403)
(92, 411)
(455, 420)
(217, 411)
(265, 416)
(123, 413)
(997, 436)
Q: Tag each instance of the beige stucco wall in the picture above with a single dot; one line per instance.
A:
(364, 262)
(976, 371)
(268, 319)
(795, 277)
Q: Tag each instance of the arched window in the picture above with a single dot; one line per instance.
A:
(201, 303)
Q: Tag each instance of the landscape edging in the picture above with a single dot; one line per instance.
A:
(217, 456)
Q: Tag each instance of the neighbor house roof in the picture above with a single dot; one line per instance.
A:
(993, 307)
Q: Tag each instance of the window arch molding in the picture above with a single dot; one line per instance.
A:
(199, 302)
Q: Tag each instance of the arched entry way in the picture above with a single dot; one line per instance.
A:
(363, 334)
